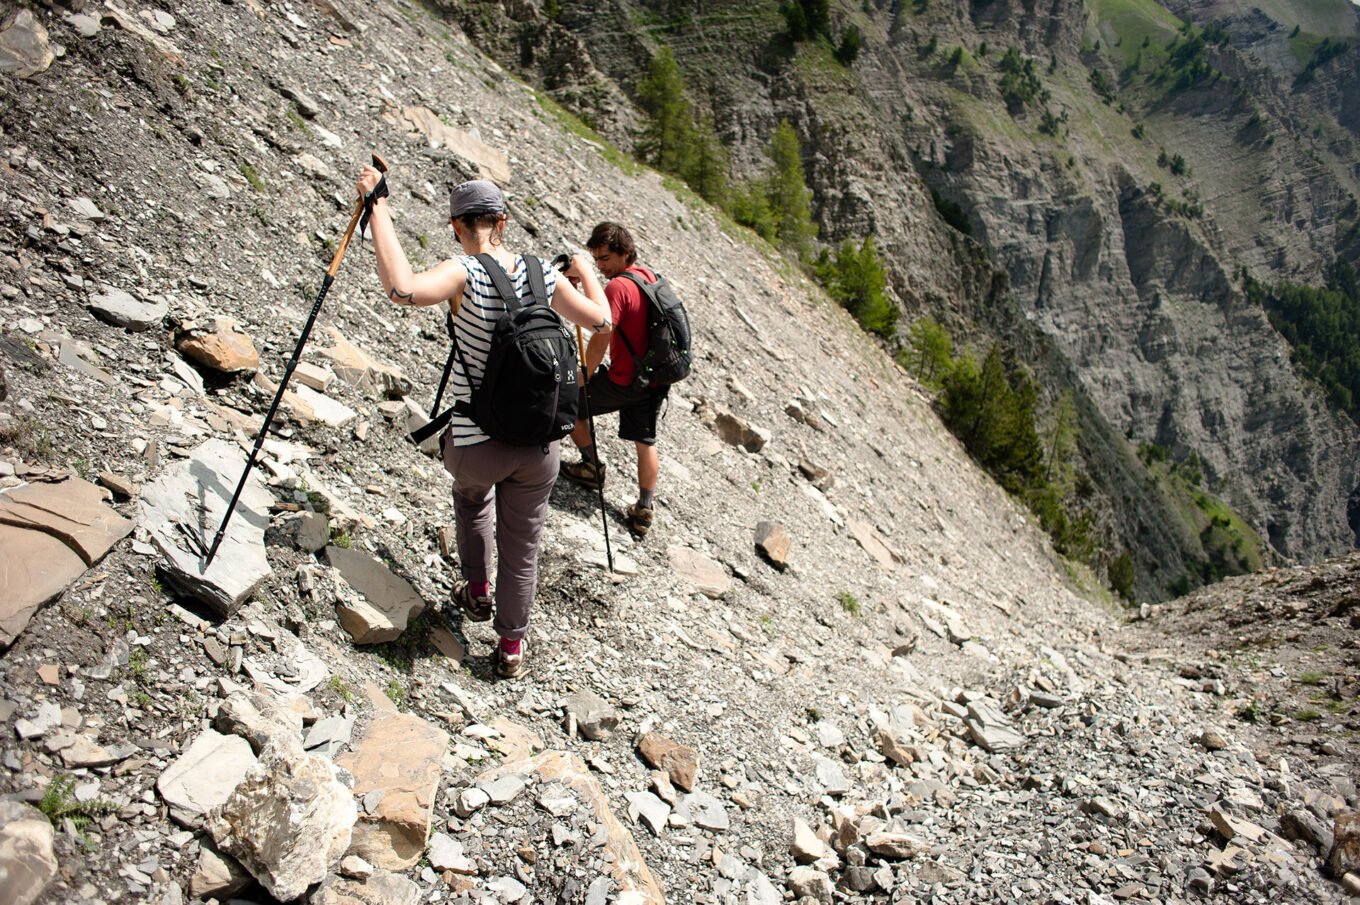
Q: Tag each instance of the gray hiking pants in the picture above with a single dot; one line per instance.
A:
(517, 480)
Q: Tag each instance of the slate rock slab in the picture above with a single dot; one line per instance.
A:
(51, 531)
(205, 775)
(389, 602)
(190, 498)
(123, 309)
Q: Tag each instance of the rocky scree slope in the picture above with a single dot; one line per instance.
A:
(1136, 306)
(916, 706)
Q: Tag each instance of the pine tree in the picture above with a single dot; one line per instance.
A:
(668, 142)
(787, 192)
(857, 280)
(707, 162)
(933, 351)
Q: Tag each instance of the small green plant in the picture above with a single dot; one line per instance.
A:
(423, 240)
(338, 686)
(140, 699)
(252, 177)
(849, 602)
(396, 692)
(1311, 678)
(59, 803)
(1308, 714)
(767, 625)
(1251, 712)
(318, 502)
(341, 538)
(138, 665)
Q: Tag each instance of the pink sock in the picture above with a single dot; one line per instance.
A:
(479, 588)
(510, 646)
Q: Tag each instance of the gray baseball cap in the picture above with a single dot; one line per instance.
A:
(480, 196)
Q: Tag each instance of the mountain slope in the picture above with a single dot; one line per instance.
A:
(1129, 271)
(208, 164)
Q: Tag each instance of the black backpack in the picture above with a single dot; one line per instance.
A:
(529, 390)
(668, 358)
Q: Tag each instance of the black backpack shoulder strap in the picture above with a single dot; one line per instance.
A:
(642, 287)
(538, 287)
(504, 288)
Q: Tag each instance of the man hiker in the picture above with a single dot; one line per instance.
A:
(611, 388)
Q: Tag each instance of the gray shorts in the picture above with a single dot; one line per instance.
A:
(638, 409)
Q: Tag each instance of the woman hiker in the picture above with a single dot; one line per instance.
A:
(515, 480)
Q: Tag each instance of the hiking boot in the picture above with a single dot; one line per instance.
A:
(639, 519)
(474, 609)
(510, 657)
(587, 474)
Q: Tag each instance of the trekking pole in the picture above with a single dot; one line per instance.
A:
(590, 420)
(381, 166)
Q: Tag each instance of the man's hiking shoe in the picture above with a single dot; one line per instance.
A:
(475, 609)
(587, 474)
(639, 519)
(509, 658)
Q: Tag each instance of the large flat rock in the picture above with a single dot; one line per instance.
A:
(50, 532)
(401, 756)
(34, 569)
(205, 775)
(190, 498)
(70, 510)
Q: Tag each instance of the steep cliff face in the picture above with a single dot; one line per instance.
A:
(1129, 271)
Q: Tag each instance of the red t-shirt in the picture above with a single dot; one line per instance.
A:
(628, 312)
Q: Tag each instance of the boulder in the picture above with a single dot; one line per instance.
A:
(736, 431)
(595, 718)
(225, 348)
(24, 51)
(773, 543)
(1344, 857)
(287, 822)
(680, 762)
(28, 861)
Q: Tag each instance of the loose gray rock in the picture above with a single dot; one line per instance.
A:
(126, 310)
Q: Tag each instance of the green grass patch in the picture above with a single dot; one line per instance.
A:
(1133, 27)
(1308, 715)
(1311, 678)
(573, 124)
(849, 603)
